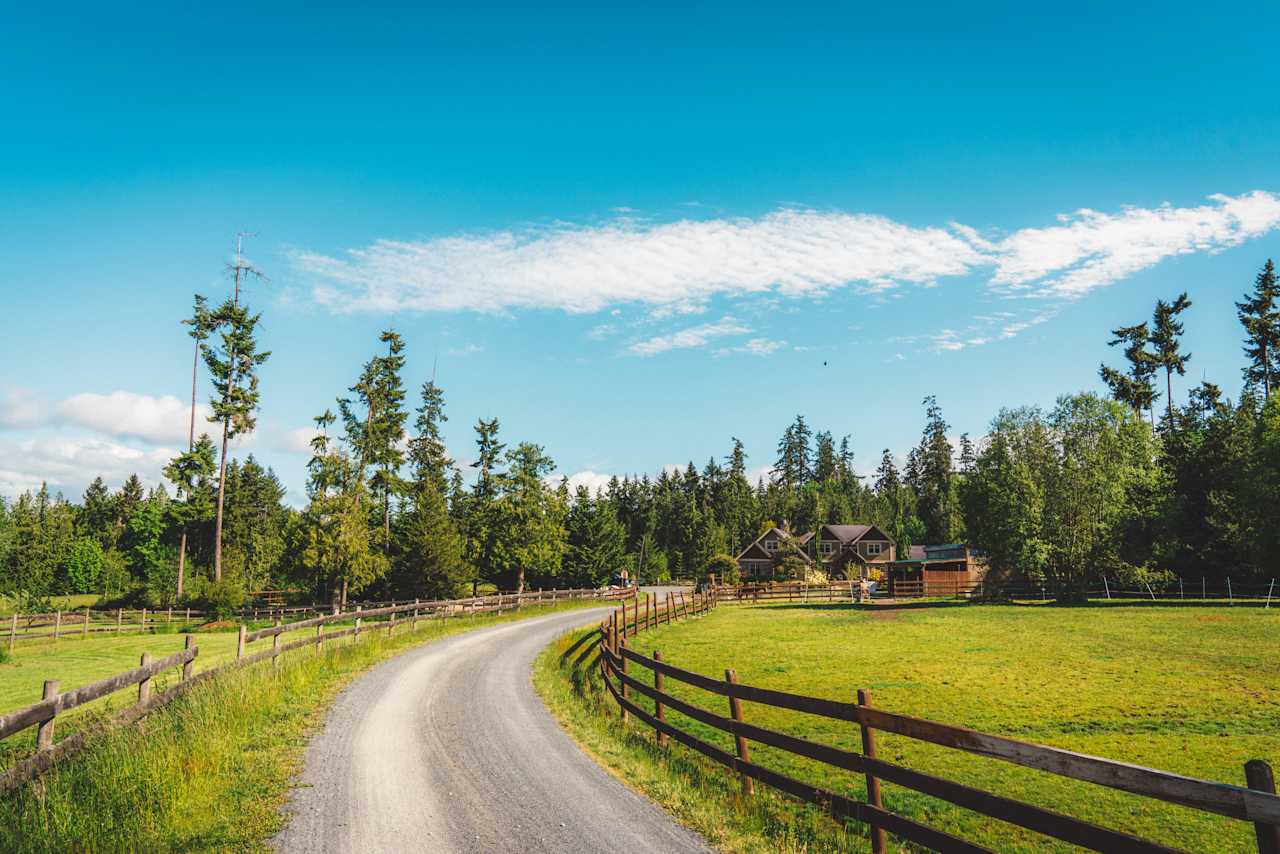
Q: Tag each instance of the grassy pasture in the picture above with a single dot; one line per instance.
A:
(1194, 690)
(212, 770)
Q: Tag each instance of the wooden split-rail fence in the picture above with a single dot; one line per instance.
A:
(43, 715)
(1256, 802)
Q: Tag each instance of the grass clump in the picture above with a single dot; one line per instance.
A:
(1193, 690)
(212, 770)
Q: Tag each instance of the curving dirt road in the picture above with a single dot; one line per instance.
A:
(447, 748)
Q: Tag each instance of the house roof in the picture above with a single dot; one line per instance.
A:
(846, 533)
(755, 544)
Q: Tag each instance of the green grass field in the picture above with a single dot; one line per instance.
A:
(212, 770)
(1194, 690)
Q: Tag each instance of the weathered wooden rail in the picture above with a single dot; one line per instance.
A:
(1256, 803)
(43, 714)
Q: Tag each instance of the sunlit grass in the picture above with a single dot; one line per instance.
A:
(212, 770)
(1194, 690)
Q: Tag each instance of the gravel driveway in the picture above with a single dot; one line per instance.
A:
(446, 748)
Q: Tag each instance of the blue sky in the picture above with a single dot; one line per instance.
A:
(628, 234)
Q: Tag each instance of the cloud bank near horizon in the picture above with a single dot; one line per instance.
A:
(584, 269)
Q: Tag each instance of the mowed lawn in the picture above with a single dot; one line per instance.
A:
(1193, 690)
(75, 660)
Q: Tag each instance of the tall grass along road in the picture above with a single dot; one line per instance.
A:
(448, 749)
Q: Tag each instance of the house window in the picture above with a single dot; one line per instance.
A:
(826, 548)
(771, 545)
(874, 548)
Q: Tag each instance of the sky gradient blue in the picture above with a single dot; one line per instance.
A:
(138, 142)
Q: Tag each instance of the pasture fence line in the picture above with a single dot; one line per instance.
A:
(1226, 590)
(1256, 802)
(58, 624)
(43, 714)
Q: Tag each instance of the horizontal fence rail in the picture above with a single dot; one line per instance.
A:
(1256, 803)
(43, 714)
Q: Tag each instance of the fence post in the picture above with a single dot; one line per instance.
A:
(188, 618)
(391, 623)
(169, 618)
(1181, 595)
(1202, 593)
(413, 622)
(144, 619)
(358, 620)
(659, 685)
(240, 643)
(119, 620)
(44, 735)
(1257, 774)
(275, 648)
(57, 624)
(85, 633)
(144, 687)
(319, 638)
(873, 783)
(1269, 592)
(744, 752)
(1230, 598)
(189, 667)
(671, 604)
(626, 671)
(13, 632)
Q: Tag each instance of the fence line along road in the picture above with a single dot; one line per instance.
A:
(82, 621)
(1258, 803)
(43, 714)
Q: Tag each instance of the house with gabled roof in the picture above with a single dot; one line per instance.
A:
(756, 561)
(852, 551)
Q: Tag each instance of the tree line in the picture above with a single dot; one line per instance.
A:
(1093, 485)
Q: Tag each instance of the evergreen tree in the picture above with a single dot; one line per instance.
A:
(794, 464)
(233, 362)
(256, 523)
(529, 536)
(936, 497)
(431, 553)
(1166, 335)
(1133, 388)
(97, 515)
(1260, 316)
(191, 474)
(334, 534)
(482, 504)
(596, 542)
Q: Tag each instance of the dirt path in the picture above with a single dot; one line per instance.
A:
(447, 748)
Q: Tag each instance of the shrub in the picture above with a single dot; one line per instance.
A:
(221, 598)
(84, 566)
(723, 567)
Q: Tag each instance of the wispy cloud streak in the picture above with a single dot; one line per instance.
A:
(675, 267)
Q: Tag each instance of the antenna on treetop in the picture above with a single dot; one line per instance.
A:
(435, 360)
(241, 267)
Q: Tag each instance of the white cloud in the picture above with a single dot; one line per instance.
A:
(69, 464)
(123, 413)
(296, 441)
(20, 408)
(582, 269)
(465, 350)
(693, 336)
(676, 267)
(754, 347)
(1090, 249)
